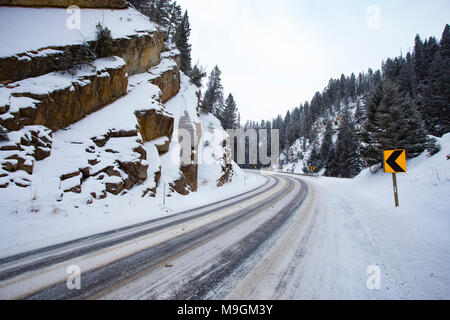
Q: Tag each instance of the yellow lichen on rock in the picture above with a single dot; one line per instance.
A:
(169, 83)
(155, 124)
(61, 107)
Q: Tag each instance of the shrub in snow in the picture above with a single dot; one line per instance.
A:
(3, 134)
(196, 75)
(104, 47)
(82, 56)
(433, 146)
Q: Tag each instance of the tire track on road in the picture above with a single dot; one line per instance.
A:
(106, 278)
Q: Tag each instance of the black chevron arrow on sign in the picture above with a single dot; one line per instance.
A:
(392, 161)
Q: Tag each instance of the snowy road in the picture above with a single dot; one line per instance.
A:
(348, 241)
(110, 262)
(291, 238)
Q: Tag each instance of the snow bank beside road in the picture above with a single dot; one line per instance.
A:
(52, 224)
(359, 226)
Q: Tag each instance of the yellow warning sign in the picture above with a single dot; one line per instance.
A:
(394, 161)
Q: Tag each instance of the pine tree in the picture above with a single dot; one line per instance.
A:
(175, 18)
(414, 133)
(398, 123)
(84, 55)
(314, 158)
(230, 114)
(419, 59)
(197, 74)
(434, 92)
(435, 100)
(370, 150)
(182, 42)
(284, 143)
(213, 99)
(351, 87)
(370, 82)
(315, 107)
(406, 77)
(360, 88)
(342, 94)
(219, 104)
(140, 5)
(163, 8)
(431, 48)
(445, 42)
(359, 114)
(327, 144)
(158, 11)
(294, 131)
(330, 163)
(104, 41)
(291, 132)
(268, 127)
(347, 156)
(391, 68)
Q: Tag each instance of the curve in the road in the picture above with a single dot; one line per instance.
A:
(216, 220)
(104, 279)
(37, 259)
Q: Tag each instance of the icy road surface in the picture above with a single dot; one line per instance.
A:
(294, 237)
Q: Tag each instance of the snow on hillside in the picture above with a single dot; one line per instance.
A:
(295, 159)
(37, 216)
(19, 27)
(212, 159)
(361, 227)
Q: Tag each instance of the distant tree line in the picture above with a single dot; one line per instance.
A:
(396, 107)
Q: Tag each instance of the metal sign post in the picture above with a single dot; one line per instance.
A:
(394, 180)
(164, 195)
(394, 161)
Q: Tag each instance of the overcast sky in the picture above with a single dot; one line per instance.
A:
(275, 55)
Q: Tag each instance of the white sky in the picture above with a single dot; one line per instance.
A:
(276, 54)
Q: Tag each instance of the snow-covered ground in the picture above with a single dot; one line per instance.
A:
(55, 27)
(355, 225)
(53, 224)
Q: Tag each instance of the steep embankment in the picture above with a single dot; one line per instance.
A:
(100, 131)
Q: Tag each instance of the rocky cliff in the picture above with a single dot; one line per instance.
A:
(56, 100)
(141, 52)
(104, 129)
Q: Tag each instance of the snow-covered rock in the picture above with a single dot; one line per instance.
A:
(135, 39)
(117, 146)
